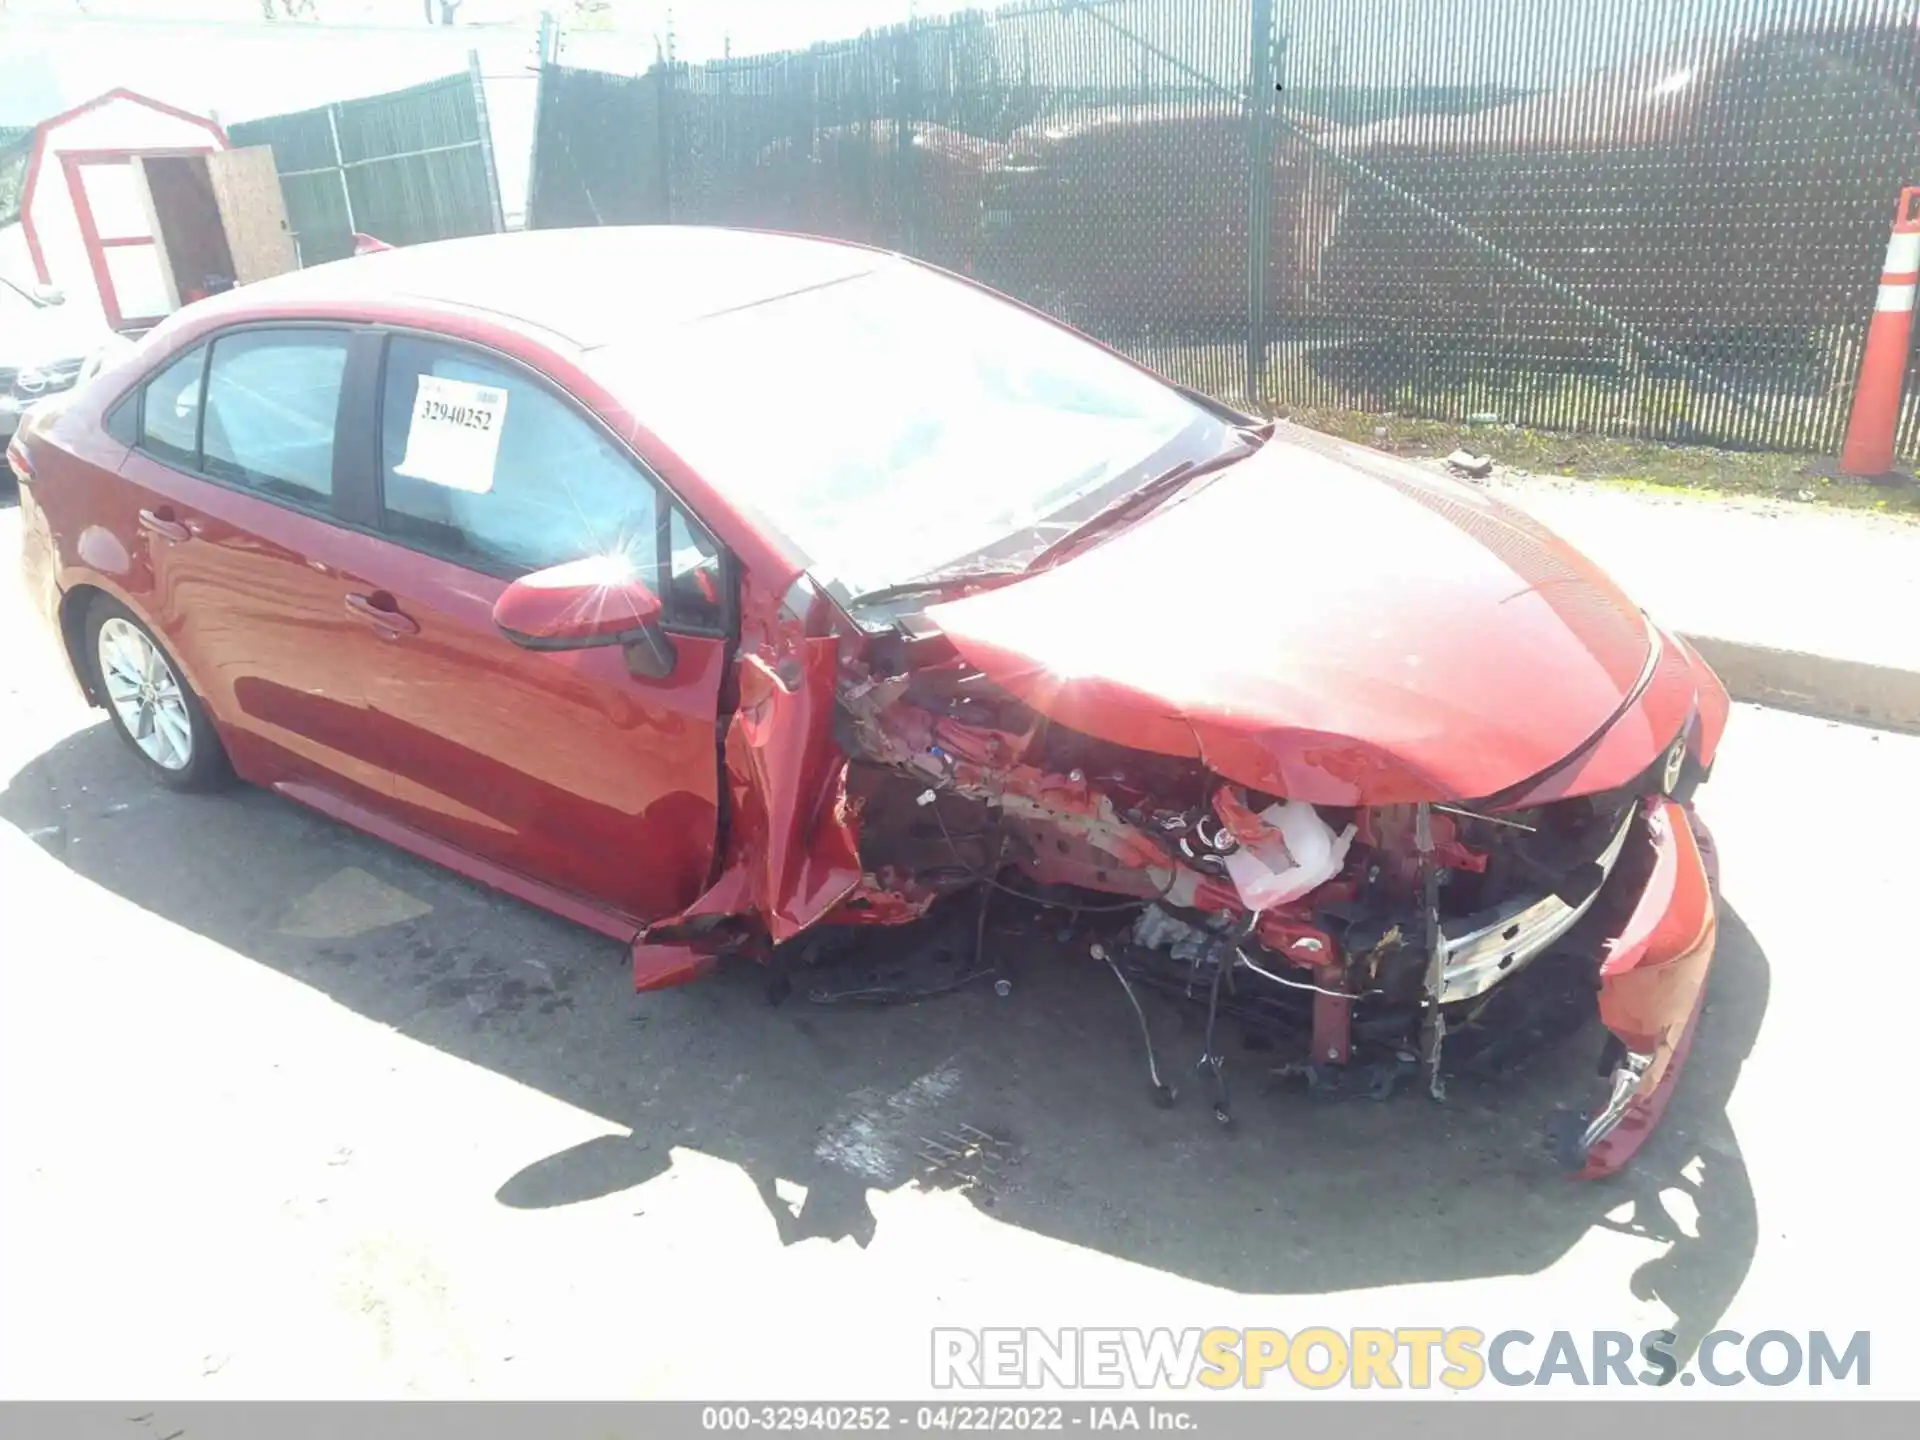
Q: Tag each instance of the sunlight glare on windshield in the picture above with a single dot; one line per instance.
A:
(893, 424)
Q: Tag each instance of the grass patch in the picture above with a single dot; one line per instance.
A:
(1629, 464)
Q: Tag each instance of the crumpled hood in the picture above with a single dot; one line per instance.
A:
(1328, 623)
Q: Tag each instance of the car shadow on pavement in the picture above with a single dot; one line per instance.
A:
(1036, 1103)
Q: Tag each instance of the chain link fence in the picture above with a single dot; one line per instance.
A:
(411, 165)
(1654, 220)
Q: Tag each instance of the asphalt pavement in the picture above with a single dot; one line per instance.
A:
(285, 1112)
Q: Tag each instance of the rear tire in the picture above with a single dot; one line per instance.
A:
(152, 707)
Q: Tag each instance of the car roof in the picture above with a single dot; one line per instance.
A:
(588, 286)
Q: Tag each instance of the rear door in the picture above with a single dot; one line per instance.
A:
(565, 765)
(232, 484)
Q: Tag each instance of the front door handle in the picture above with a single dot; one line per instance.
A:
(161, 522)
(380, 611)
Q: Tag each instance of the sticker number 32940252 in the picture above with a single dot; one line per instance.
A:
(438, 410)
(453, 436)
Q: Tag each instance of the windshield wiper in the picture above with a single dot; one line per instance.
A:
(933, 584)
(1140, 499)
(1161, 487)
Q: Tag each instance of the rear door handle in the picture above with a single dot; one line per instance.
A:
(379, 611)
(161, 522)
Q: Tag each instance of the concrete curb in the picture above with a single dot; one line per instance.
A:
(1814, 684)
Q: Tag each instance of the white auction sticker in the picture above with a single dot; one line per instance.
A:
(454, 437)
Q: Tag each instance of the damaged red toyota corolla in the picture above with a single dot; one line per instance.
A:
(733, 592)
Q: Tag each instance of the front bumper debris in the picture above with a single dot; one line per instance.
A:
(1652, 993)
(1632, 951)
(1477, 954)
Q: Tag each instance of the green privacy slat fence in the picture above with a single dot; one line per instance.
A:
(1658, 218)
(16, 153)
(407, 166)
(600, 150)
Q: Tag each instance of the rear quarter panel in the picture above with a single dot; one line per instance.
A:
(85, 529)
(39, 562)
(79, 525)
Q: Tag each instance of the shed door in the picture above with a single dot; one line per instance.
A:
(116, 226)
(247, 189)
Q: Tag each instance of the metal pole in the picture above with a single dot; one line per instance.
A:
(1260, 104)
(340, 166)
(906, 81)
(664, 123)
(478, 82)
(1433, 1020)
(544, 59)
(474, 144)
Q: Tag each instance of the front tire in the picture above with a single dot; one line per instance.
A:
(156, 712)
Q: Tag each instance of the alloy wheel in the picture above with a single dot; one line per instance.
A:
(146, 695)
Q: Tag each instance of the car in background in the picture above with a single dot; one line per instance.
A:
(45, 348)
(740, 594)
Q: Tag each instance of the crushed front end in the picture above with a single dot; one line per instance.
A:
(1444, 938)
(1400, 847)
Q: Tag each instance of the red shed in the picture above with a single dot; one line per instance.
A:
(116, 204)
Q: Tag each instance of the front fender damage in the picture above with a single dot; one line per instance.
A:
(791, 849)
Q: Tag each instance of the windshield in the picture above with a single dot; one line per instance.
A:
(898, 424)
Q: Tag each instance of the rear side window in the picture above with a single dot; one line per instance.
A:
(170, 411)
(272, 398)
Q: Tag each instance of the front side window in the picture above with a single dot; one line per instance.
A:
(272, 398)
(488, 467)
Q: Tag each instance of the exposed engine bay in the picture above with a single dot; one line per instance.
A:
(1377, 945)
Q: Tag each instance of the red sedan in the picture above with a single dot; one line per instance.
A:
(729, 592)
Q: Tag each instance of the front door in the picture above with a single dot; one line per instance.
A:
(563, 766)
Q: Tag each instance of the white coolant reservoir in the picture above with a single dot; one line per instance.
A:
(1309, 854)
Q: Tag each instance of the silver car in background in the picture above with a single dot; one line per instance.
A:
(45, 347)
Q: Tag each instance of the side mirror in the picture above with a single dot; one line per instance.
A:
(598, 601)
(49, 295)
